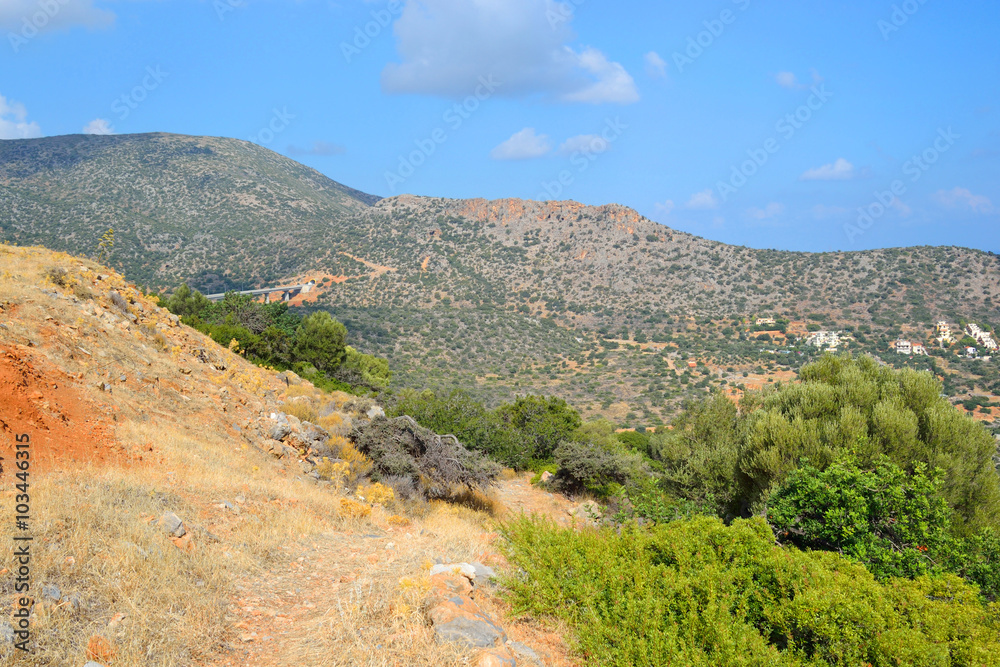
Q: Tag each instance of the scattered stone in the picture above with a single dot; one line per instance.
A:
(91, 663)
(51, 592)
(185, 544)
(99, 648)
(6, 632)
(375, 411)
(171, 524)
(588, 510)
(519, 649)
(465, 569)
(546, 476)
(184, 371)
(484, 573)
(495, 657)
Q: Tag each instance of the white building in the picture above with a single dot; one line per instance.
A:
(944, 333)
(919, 349)
(904, 347)
(824, 339)
(984, 338)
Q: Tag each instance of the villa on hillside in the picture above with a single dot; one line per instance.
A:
(919, 349)
(971, 352)
(765, 320)
(827, 339)
(904, 347)
(984, 338)
(944, 333)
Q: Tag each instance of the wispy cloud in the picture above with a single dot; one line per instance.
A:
(584, 143)
(664, 208)
(446, 46)
(656, 66)
(841, 170)
(17, 15)
(523, 145)
(320, 148)
(702, 201)
(14, 121)
(772, 210)
(791, 81)
(962, 198)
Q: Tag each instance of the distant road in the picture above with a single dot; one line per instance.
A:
(287, 292)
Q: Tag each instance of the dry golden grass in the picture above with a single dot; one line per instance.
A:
(94, 525)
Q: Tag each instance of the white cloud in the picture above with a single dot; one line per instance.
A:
(664, 208)
(523, 145)
(963, 198)
(26, 18)
(786, 79)
(656, 67)
(841, 170)
(14, 121)
(772, 210)
(98, 126)
(447, 46)
(585, 143)
(703, 200)
(791, 81)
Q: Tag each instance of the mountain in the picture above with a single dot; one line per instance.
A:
(496, 297)
(180, 206)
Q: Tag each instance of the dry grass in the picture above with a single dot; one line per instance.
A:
(158, 605)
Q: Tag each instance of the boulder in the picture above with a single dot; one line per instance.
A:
(546, 476)
(375, 411)
(171, 524)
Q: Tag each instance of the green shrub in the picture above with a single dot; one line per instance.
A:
(894, 523)
(697, 592)
(596, 461)
(321, 341)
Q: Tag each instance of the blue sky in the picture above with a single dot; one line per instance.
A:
(808, 126)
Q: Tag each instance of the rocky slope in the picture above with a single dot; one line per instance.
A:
(182, 514)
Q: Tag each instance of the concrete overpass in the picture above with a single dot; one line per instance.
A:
(287, 293)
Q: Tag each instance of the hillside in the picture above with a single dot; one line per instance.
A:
(170, 526)
(620, 315)
(218, 212)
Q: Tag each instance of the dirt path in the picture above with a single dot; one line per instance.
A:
(354, 597)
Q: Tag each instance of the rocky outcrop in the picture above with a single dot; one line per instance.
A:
(457, 618)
